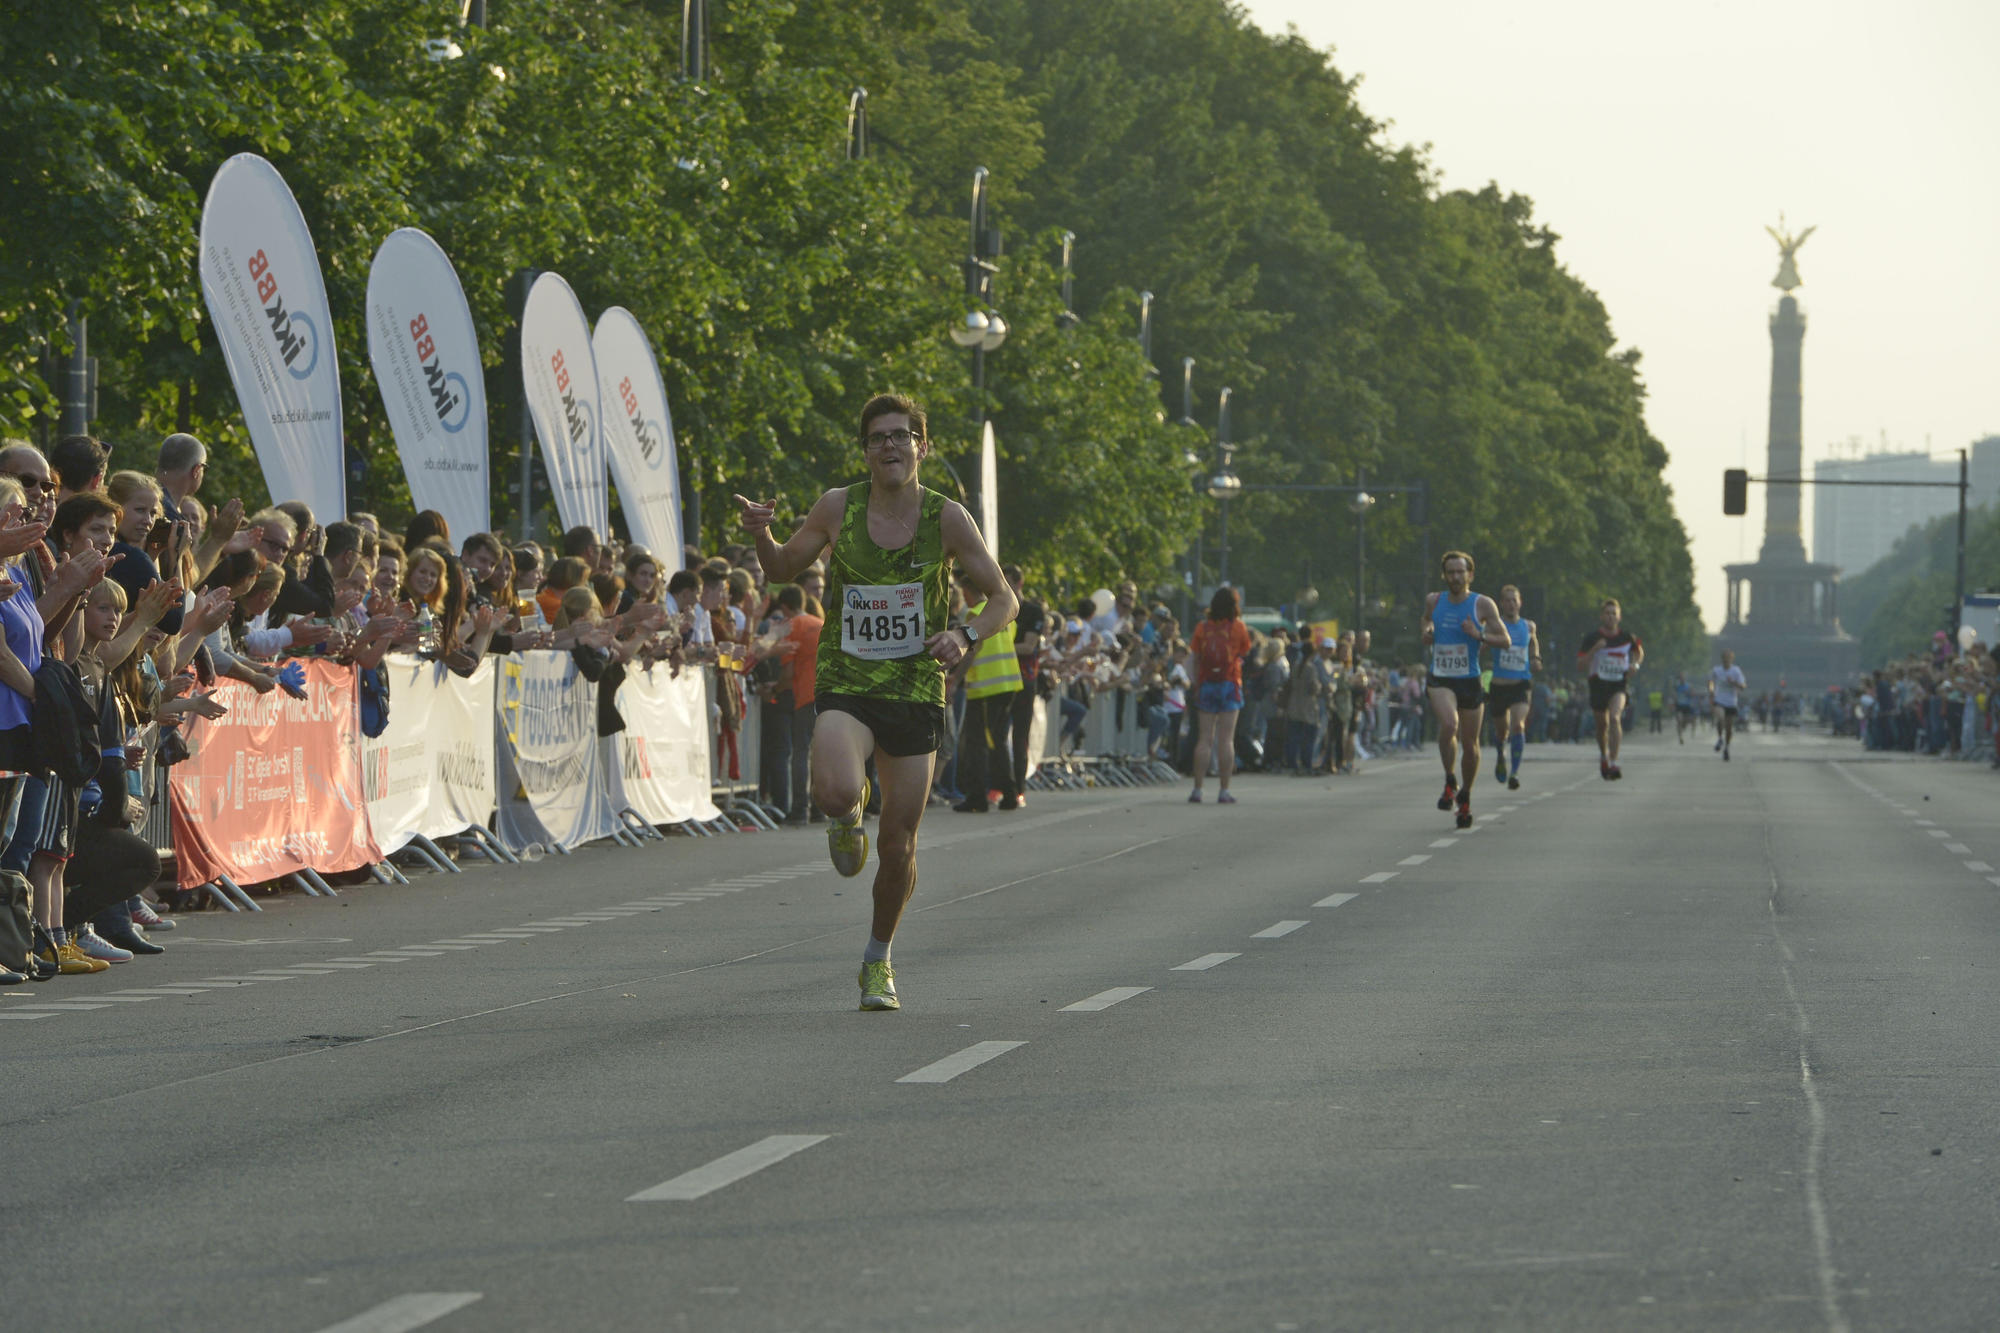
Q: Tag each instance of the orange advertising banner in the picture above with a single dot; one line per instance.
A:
(274, 787)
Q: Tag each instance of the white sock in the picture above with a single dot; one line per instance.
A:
(876, 952)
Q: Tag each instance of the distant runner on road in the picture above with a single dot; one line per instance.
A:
(1514, 670)
(1683, 707)
(883, 652)
(1726, 688)
(1609, 655)
(1458, 622)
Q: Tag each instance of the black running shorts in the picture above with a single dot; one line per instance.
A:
(1506, 693)
(901, 728)
(1468, 690)
(1602, 692)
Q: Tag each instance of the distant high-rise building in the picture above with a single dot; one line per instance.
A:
(1855, 526)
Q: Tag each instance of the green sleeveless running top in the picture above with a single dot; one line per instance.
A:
(881, 607)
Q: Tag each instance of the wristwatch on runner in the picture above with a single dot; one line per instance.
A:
(971, 635)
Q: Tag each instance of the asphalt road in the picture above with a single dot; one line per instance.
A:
(1710, 1048)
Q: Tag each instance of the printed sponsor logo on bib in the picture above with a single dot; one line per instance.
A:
(881, 622)
(1451, 659)
(1514, 659)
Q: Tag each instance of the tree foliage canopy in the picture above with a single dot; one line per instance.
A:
(1366, 320)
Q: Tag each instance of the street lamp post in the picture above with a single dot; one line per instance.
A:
(982, 330)
(1225, 484)
(1360, 504)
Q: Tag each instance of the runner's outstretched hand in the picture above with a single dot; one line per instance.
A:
(757, 514)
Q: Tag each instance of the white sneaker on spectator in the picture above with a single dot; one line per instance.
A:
(145, 916)
(96, 946)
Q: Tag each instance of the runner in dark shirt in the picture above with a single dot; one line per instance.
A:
(1609, 655)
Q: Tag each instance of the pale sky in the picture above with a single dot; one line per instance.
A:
(1658, 140)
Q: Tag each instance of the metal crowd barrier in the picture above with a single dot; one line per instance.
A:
(1110, 751)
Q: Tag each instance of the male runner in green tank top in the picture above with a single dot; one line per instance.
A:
(884, 652)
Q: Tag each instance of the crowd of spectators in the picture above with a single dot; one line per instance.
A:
(125, 598)
(1942, 703)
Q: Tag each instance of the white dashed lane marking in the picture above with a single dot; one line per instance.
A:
(405, 1313)
(1104, 999)
(1279, 931)
(1958, 849)
(728, 1169)
(1205, 962)
(1380, 877)
(1415, 860)
(1445, 842)
(1335, 900)
(1980, 866)
(973, 1056)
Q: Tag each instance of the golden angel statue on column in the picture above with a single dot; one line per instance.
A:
(1788, 245)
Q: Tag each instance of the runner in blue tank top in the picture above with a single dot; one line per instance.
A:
(1514, 670)
(1458, 622)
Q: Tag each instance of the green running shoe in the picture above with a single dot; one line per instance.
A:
(878, 986)
(847, 839)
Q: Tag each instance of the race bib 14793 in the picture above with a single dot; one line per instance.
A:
(1451, 659)
(882, 621)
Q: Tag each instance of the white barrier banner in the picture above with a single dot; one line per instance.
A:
(431, 771)
(989, 489)
(260, 279)
(639, 435)
(559, 375)
(663, 752)
(553, 787)
(426, 358)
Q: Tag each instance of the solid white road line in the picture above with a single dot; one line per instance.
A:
(1205, 962)
(1104, 999)
(1380, 877)
(1279, 931)
(1416, 860)
(728, 1169)
(405, 1312)
(949, 1068)
(1335, 900)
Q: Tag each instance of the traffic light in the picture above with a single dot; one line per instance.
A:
(1735, 491)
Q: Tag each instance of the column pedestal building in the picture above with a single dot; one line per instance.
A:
(1784, 610)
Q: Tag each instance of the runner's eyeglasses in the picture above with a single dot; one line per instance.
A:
(883, 439)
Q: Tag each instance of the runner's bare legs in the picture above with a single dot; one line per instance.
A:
(906, 787)
(1611, 726)
(840, 747)
(1444, 707)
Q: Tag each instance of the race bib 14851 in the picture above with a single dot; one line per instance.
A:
(882, 621)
